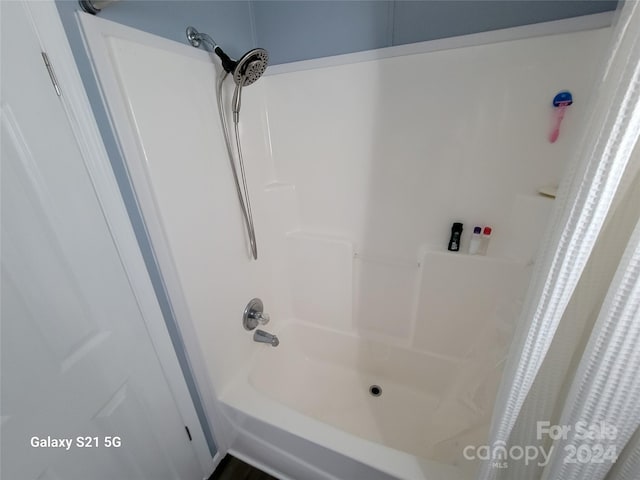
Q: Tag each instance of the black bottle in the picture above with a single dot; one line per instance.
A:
(456, 235)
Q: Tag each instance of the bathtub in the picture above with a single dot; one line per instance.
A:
(304, 410)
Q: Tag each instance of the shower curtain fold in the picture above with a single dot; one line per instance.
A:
(606, 386)
(627, 466)
(584, 201)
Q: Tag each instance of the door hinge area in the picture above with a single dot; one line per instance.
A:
(52, 74)
(188, 433)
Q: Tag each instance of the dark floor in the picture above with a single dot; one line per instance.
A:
(230, 468)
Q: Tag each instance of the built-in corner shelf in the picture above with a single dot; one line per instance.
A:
(466, 257)
(548, 191)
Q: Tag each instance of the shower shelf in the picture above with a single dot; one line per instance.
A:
(275, 186)
(548, 191)
(468, 257)
(386, 260)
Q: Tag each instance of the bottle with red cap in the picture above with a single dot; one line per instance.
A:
(486, 236)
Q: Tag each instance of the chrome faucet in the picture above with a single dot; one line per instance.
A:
(254, 315)
(261, 336)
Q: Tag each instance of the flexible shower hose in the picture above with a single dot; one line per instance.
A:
(245, 203)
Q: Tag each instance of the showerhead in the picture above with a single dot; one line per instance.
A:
(250, 67)
(245, 71)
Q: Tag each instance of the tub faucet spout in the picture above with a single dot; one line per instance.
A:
(261, 336)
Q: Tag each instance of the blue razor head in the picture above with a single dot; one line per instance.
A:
(562, 98)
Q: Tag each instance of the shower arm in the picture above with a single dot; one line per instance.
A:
(197, 38)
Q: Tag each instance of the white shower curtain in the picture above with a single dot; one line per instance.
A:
(606, 386)
(628, 465)
(551, 376)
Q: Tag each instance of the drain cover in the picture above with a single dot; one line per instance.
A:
(375, 390)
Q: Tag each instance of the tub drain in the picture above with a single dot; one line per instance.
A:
(375, 390)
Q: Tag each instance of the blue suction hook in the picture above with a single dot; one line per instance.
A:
(563, 99)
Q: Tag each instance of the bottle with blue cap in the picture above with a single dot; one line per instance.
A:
(476, 239)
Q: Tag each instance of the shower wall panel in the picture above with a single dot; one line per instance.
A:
(170, 102)
(386, 154)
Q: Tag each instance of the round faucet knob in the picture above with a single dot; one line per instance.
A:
(262, 318)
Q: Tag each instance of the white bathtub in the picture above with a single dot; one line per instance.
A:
(304, 411)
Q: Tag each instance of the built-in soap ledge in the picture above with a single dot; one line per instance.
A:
(277, 186)
(425, 251)
(465, 300)
(280, 205)
(549, 191)
(320, 237)
(385, 288)
(320, 270)
(389, 260)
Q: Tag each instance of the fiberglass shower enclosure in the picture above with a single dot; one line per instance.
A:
(351, 185)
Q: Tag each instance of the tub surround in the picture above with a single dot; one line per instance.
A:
(373, 161)
(356, 173)
(379, 158)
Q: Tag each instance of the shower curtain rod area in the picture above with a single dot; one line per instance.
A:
(95, 6)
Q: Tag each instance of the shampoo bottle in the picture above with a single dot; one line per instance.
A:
(456, 235)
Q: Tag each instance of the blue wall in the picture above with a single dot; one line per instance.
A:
(300, 30)
(416, 21)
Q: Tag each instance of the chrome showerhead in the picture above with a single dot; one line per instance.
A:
(250, 67)
(245, 71)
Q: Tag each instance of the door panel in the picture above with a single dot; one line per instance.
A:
(76, 357)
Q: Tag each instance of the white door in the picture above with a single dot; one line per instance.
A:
(77, 360)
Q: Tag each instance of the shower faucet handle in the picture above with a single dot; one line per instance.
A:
(254, 315)
(262, 318)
